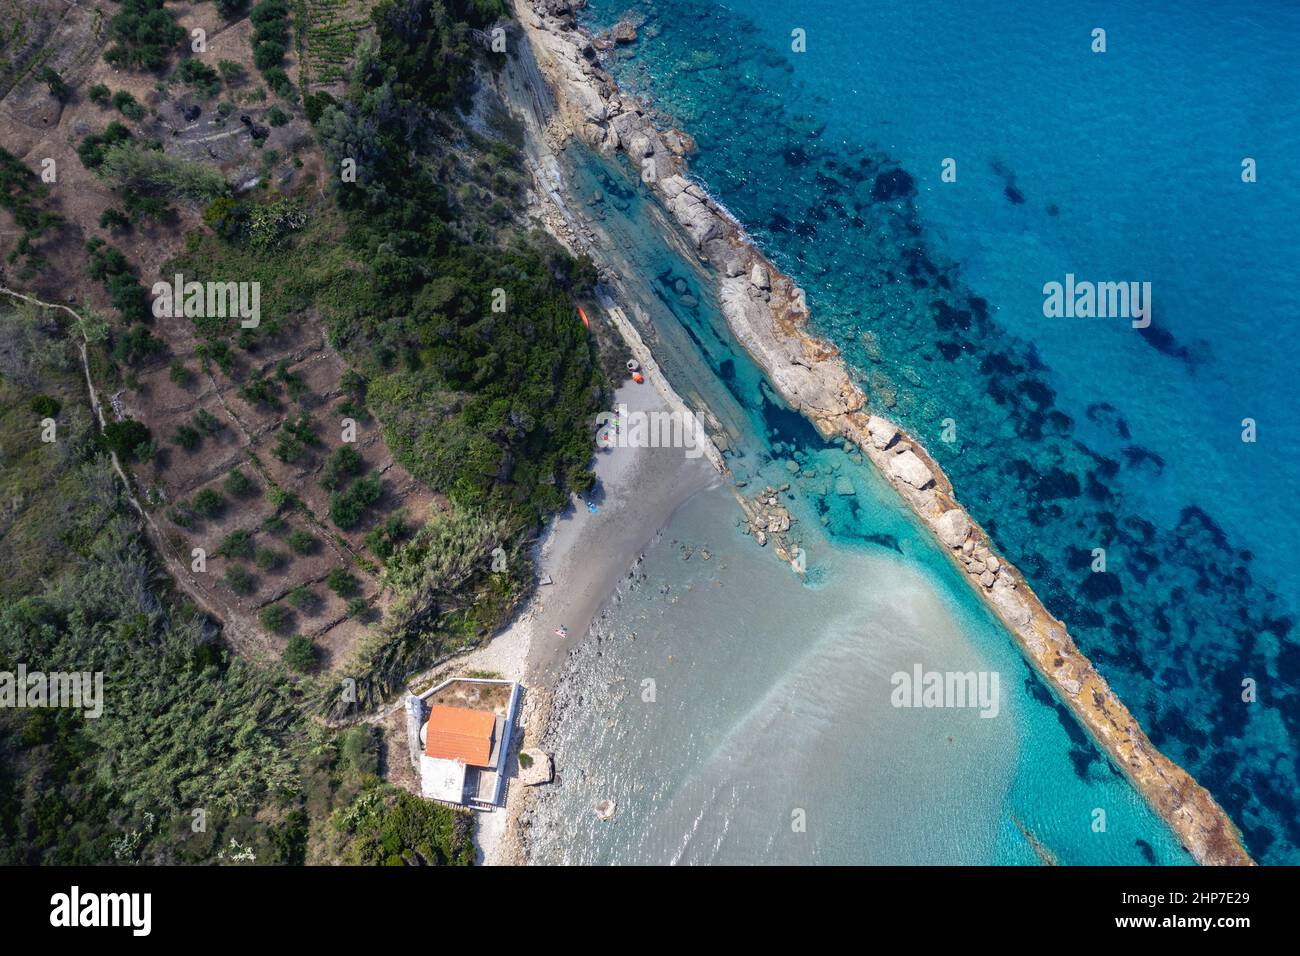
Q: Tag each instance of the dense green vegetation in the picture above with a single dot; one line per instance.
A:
(197, 756)
(144, 35)
(106, 264)
(271, 38)
(92, 149)
(392, 828)
(202, 78)
(459, 324)
(24, 196)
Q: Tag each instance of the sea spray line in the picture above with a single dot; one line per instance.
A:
(767, 318)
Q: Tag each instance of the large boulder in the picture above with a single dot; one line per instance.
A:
(952, 527)
(907, 467)
(640, 145)
(695, 216)
(1011, 606)
(539, 768)
(882, 432)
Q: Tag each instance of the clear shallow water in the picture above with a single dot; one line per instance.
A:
(771, 692)
(1071, 434)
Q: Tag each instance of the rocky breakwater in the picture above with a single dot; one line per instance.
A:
(768, 316)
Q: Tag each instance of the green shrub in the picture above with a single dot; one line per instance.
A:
(180, 375)
(58, 88)
(93, 148)
(130, 168)
(383, 539)
(239, 579)
(206, 422)
(260, 391)
(342, 464)
(347, 508)
(125, 438)
(141, 206)
(270, 43)
(394, 828)
(342, 583)
(239, 485)
(300, 542)
(300, 653)
(203, 78)
(187, 437)
(303, 598)
(237, 544)
(277, 117)
(45, 406)
(110, 267)
(275, 617)
(314, 104)
(268, 559)
(357, 745)
(294, 439)
(99, 94)
(137, 345)
(209, 503)
(114, 220)
(126, 104)
(233, 73)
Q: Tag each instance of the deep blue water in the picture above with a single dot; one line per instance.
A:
(1071, 434)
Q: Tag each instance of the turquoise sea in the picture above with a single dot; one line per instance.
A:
(770, 693)
(1070, 434)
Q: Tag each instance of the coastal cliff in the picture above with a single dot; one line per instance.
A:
(768, 315)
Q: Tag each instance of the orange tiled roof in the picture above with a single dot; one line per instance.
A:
(457, 733)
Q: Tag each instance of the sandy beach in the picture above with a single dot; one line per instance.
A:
(582, 555)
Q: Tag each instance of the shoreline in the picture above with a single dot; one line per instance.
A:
(767, 313)
(582, 557)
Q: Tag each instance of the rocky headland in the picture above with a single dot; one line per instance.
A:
(768, 315)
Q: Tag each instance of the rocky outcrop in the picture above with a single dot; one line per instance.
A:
(624, 32)
(905, 466)
(535, 767)
(768, 316)
(952, 527)
(882, 433)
